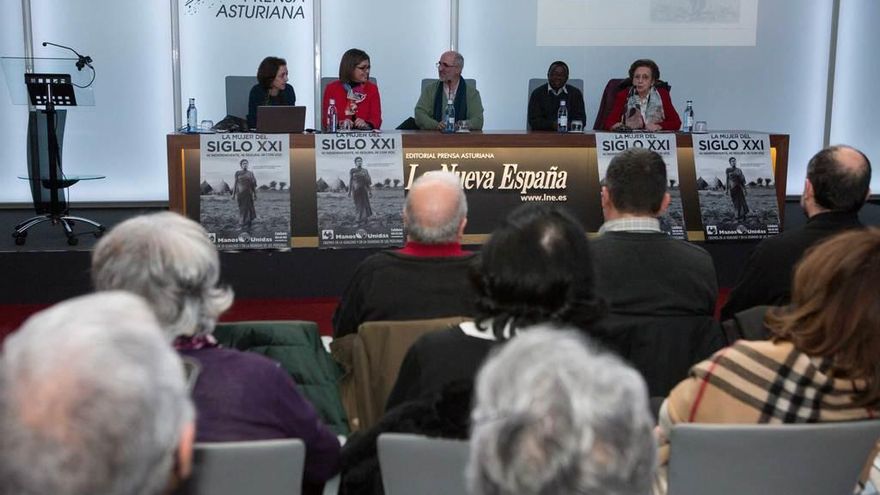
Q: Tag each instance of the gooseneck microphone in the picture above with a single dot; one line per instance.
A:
(83, 60)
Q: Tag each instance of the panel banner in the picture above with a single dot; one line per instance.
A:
(497, 180)
(609, 145)
(360, 189)
(735, 185)
(244, 190)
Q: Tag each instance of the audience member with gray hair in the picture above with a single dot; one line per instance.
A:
(169, 260)
(425, 279)
(93, 401)
(436, 209)
(553, 416)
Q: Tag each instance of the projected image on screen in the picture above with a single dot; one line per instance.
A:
(641, 23)
(711, 11)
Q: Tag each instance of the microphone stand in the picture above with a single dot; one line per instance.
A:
(82, 61)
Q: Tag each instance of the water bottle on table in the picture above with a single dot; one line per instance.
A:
(332, 118)
(192, 117)
(562, 117)
(449, 117)
(688, 117)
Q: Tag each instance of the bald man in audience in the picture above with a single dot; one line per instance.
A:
(836, 188)
(428, 278)
(93, 401)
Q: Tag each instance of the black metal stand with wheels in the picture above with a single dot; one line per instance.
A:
(48, 182)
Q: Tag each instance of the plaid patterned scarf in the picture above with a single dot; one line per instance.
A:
(783, 386)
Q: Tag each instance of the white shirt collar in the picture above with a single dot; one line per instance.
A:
(471, 329)
(562, 90)
(631, 224)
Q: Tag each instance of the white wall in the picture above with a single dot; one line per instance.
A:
(779, 85)
(123, 135)
(404, 39)
(215, 46)
(854, 117)
(13, 118)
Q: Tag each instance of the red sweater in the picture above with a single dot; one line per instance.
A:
(671, 121)
(370, 109)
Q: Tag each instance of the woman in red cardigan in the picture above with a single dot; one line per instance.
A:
(643, 102)
(357, 99)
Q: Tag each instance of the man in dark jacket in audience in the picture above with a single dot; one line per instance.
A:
(660, 291)
(838, 178)
(428, 278)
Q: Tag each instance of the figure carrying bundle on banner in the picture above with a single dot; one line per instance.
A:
(359, 189)
(245, 190)
(736, 187)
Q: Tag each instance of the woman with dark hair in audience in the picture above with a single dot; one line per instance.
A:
(271, 88)
(356, 98)
(822, 362)
(535, 268)
(643, 101)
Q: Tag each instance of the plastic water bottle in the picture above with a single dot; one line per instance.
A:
(562, 117)
(689, 117)
(449, 118)
(192, 116)
(332, 118)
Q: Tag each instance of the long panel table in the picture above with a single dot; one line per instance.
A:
(500, 152)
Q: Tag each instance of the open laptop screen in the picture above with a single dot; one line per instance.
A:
(281, 119)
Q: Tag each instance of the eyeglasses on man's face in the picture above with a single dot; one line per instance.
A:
(444, 65)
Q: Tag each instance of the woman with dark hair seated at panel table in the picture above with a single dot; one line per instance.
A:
(271, 88)
(643, 101)
(356, 98)
(820, 364)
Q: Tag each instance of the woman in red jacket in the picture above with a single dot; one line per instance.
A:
(643, 101)
(356, 98)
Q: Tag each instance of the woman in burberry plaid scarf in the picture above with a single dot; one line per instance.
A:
(825, 347)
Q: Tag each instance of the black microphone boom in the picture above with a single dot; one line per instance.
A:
(83, 60)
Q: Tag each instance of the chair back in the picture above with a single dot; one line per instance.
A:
(536, 82)
(267, 467)
(747, 325)
(423, 465)
(372, 359)
(663, 348)
(807, 459)
(297, 346)
(606, 103)
(238, 90)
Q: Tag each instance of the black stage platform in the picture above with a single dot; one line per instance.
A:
(46, 270)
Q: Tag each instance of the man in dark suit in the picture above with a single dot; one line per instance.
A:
(838, 178)
(544, 100)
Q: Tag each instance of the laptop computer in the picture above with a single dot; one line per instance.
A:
(280, 119)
